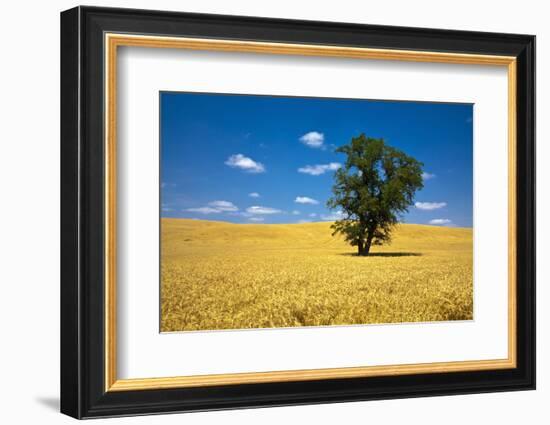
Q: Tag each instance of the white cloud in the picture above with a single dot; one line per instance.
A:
(204, 210)
(427, 176)
(313, 215)
(223, 205)
(167, 209)
(257, 219)
(303, 221)
(440, 221)
(254, 195)
(429, 206)
(338, 215)
(244, 163)
(215, 207)
(262, 210)
(313, 139)
(295, 212)
(306, 200)
(316, 170)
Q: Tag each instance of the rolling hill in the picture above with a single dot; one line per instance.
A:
(219, 275)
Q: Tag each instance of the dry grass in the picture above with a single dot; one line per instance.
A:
(231, 276)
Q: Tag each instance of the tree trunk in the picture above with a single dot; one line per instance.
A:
(360, 248)
(368, 243)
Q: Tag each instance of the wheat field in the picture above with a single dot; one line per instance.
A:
(218, 275)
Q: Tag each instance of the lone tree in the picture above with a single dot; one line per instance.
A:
(376, 184)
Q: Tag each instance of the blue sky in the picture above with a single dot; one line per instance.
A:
(267, 159)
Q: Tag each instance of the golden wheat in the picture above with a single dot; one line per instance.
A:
(219, 275)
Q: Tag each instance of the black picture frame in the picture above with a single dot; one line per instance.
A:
(82, 219)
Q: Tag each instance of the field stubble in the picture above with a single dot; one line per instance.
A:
(218, 275)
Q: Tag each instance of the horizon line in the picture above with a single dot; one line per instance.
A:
(305, 222)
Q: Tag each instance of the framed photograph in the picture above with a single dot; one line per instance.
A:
(261, 212)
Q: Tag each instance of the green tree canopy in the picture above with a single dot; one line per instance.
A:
(375, 186)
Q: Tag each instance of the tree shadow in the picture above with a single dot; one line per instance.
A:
(383, 254)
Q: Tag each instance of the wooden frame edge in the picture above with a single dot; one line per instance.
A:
(512, 212)
(110, 213)
(114, 40)
(306, 375)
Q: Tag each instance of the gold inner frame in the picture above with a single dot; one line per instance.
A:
(113, 41)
